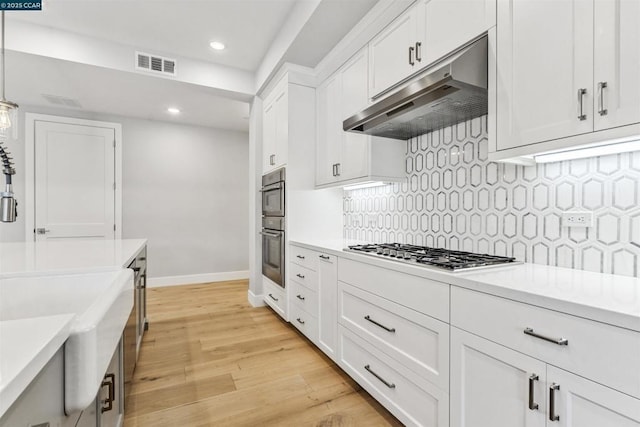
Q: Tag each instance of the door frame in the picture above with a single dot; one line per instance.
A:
(30, 144)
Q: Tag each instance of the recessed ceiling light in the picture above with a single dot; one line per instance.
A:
(173, 110)
(217, 45)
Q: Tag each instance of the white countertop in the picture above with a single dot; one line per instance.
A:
(26, 346)
(66, 256)
(605, 298)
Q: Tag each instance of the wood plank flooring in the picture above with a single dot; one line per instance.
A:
(210, 359)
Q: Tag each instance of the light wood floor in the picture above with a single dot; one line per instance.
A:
(210, 359)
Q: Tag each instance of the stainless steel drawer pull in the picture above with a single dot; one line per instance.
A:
(300, 276)
(273, 298)
(418, 51)
(601, 87)
(385, 382)
(532, 404)
(324, 257)
(559, 341)
(581, 93)
(552, 402)
(386, 328)
(300, 297)
(299, 257)
(411, 62)
(110, 382)
(300, 321)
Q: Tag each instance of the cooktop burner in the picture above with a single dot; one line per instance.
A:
(435, 257)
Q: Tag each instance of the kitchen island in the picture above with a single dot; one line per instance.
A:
(88, 288)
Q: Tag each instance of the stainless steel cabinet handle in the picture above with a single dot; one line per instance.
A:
(324, 257)
(299, 256)
(581, 93)
(532, 404)
(601, 87)
(273, 298)
(109, 381)
(337, 169)
(418, 51)
(300, 321)
(411, 62)
(559, 341)
(300, 276)
(300, 297)
(386, 328)
(42, 231)
(385, 382)
(552, 402)
(272, 159)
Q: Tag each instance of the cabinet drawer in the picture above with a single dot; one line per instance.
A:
(304, 257)
(304, 298)
(423, 295)
(304, 322)
(275, 297)
(410, 398)
(419, 342)
(304, 276)
(603, 353)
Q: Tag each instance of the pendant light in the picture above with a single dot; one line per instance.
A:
(8, 109)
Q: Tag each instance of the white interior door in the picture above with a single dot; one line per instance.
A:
(74, 181)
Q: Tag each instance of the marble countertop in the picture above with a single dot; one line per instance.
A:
(26, 346)
(605, 298)
(66, 256)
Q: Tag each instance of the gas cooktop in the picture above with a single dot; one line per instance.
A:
(453, 261)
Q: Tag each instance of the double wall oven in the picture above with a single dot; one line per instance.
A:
(273, 226)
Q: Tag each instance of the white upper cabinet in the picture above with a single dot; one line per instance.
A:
(449, 25)
(346, 157)
(425, 33)
(392, 53)
(275, 127)
(566, 73)
(544, 70)
(617, 63)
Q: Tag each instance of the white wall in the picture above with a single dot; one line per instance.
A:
(185, 189)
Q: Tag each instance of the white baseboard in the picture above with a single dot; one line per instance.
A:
(255, 300)
(192, 279)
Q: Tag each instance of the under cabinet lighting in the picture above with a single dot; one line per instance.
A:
(173, 110)
(367, 184)
(615, 146)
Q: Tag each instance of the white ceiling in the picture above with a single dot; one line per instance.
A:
(107, 91)
(183, 27)
(171, 27)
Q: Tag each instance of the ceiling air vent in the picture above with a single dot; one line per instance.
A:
(155, 64)
(61, 101)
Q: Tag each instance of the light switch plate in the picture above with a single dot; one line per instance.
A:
(577, 219)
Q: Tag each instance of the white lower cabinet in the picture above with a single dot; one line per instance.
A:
(328, 304)
(275, 297)
(42, 403)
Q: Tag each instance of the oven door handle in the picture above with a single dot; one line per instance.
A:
(268, 234)
(271, 187)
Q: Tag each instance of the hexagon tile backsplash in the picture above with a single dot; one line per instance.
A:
(455, 198)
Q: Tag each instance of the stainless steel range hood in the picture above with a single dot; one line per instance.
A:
(452, 91)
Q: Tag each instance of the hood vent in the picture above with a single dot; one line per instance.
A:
(452, 91)
(155, 64)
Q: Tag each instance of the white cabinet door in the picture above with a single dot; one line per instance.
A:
(490, 384)
(451, 24)
(579, 402)
(389, 53)
(268, 138)
(617, 63)
(328, 142)
(544, 70)
(354, 155)
(282, 128)
(328, 304)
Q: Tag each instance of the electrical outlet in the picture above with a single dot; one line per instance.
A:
(577, 219)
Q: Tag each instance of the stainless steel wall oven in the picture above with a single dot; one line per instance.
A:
(273, 226)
